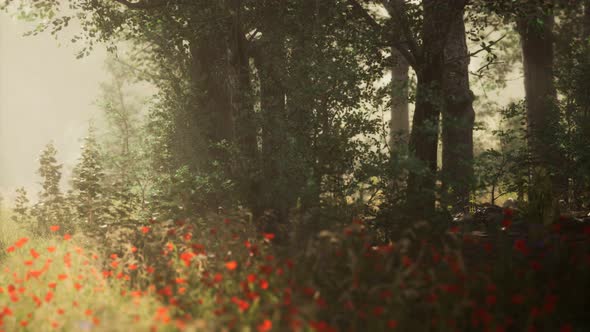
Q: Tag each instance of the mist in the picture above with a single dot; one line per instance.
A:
(46, 94)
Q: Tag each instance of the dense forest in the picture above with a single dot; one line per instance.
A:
(313, 165)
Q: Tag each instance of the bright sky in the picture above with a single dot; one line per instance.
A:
(45, 94)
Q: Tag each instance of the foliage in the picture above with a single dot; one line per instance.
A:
(505, 170)
(50, 208)
(22, 210)
(88, 194)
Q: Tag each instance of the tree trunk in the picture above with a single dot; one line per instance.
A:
(271, 64)
(399, 124)
(542, 114)
(458, 120)
(212, 110)
(424, 138)
(243, 104)
(429, 68)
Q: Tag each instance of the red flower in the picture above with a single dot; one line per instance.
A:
(566, 328)
(21, 242)
(231, 265)
(34, 253)
(54, 228)
(518, 299)
(145, 229)
(520, 245)
(67, 237)
(268, 236)
(392, 323)
(48, 296)
(266, 325)
(10, 249)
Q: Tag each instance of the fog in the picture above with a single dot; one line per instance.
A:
(46, 94)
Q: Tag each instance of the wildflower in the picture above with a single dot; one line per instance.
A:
(392, 323)
(491, 300)
(242, 305)
(269, 236)
(67, 237)
(518, 299)
(231, 265)
(266, 325)
(21, 242)
(263, 284)
(48, 296)
(54, 228)
(34, 253)
(145, 229)
(10, 249)
(520, 245)
(566, 328)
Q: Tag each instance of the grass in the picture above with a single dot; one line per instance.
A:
(56, 285)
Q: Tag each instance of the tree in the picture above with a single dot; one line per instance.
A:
(22, 210)
(87, 183)
(400, 115)
(50, 208)
(536, 29)
(458, 120)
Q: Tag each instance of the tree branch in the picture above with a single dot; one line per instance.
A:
(147, 4)
(359, 10)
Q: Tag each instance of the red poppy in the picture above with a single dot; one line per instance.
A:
(520, 245)
(34, 253)
(392, 323)
(145, 229)
(231, 265)
(266, 325)
(67, 237)
(54, 228)
(269, 236)
(21, 242)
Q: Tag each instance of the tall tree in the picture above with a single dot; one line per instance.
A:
(50, 208)
(536, 29)
(457, 120)
(87, 182)
(400, 114)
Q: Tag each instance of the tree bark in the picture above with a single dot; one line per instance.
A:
(458, 120)
(429, 67)
(399, 124)
(542, 113)
(271, 64)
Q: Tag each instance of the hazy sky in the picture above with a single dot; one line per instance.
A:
(45, 94)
